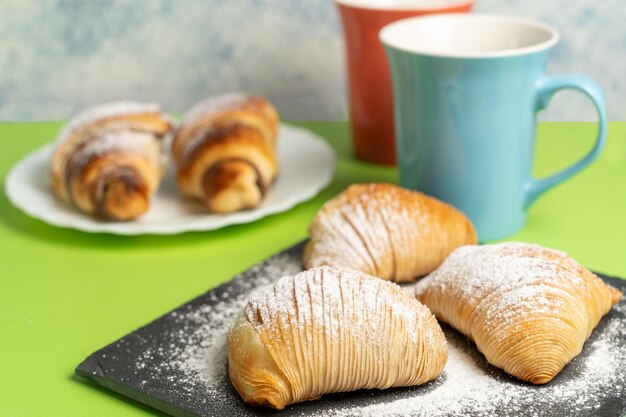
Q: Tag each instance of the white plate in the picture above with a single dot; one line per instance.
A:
(307, 164)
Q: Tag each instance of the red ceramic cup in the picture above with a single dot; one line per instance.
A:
(369, 81)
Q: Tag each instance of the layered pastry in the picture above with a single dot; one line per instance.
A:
(109, 159)
(386, 231)
(529, 309)
(331, 330)
(225, 152)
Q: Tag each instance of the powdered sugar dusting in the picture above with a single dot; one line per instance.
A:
(189, 146)
(184, 363)
(103, 111)
(213, 105)
(320, 297)
(386, 231)
(358, 229)
(193, 137)
(513, 270)
(119, 140)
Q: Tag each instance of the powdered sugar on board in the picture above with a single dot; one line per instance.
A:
(178, 364)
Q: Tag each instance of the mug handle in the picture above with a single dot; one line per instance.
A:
(545, 89)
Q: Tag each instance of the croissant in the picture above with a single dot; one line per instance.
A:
(225, 152)
(331, 330)
(386, 231)
(529, 309)
(109, 160)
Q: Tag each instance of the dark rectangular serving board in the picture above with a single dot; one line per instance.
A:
(177, 364)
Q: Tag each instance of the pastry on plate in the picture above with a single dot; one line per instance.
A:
(331, 330)
(386, 231)
(529, 309)
(109, 159)
(225, 152)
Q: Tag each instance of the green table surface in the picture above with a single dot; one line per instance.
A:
(65, 293)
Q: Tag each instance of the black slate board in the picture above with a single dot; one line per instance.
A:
(152, 364)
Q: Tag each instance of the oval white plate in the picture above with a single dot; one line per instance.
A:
(307, 164)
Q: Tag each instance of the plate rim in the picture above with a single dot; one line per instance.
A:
(87, 224)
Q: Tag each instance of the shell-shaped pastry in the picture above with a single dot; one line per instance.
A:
(386, 231)
(529, 309)
(109, 159)
(331, 330)
(224, 151)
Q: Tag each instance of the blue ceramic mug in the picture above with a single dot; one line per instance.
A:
(467, 88)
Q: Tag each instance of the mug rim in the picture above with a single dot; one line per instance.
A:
(413, 5)
(385, 35)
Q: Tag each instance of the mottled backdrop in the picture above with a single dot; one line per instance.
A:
(57, 56)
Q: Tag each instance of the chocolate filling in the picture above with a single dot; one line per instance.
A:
(76, 162)
(126, 175)
(209, 173)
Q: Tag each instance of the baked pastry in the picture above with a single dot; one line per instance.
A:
(529, 309)
(386, 231)
(331, 330)
(225, 152)
(109, 159)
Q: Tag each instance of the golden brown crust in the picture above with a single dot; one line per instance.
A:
(529, 309)
(252, 370)
(113, 186)
(386, 231)
(232, 184)
(108, 160)
(223, 143)
(331, 330)
(220, 110)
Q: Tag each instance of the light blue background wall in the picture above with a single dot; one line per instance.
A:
(57, 56)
